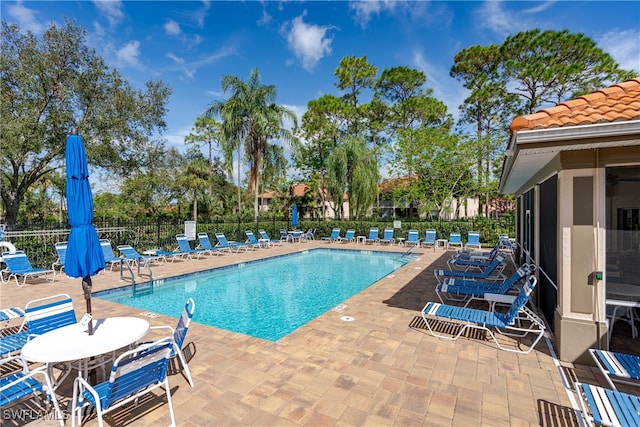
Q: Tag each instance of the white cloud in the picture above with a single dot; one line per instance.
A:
(410, 12)
(215, 94)
(176, 139)
(308, 42)
(172, 28)
(494, 16)
(98, 30)
(196, 41)
(189, 68)
(491, 15)
(128, 55)
(541, 7)
(623, 46)
(264, 19)
(175, 58)
(25, 17)
(111, 9)
(364, 10)
(201, 14)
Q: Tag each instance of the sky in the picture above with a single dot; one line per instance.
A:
(297, 45)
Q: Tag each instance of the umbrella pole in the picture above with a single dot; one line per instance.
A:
(86, 287)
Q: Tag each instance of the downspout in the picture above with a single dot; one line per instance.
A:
(600, 284)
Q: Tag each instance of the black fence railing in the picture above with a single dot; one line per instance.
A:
(38, 240)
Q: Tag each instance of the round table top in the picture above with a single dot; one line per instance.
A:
(73, 342)
(620, 289)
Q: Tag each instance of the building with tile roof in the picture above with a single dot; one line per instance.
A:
(391, 207)
(299, 191)
(575, 171)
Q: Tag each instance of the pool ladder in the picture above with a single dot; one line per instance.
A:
(133, 278)
(408, 251)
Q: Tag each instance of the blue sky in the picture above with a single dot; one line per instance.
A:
(297, 45)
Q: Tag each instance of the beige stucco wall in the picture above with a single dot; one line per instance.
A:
(580, 320)
(576, 323)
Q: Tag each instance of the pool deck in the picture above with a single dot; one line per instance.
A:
(381, 369)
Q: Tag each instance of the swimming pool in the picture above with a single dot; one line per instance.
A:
(267, 298)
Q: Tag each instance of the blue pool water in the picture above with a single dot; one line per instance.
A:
(268, 298)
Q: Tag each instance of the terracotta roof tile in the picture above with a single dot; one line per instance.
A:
(618, 102)
(391, 184)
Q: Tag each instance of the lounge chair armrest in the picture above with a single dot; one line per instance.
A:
(28, 373)
(80, 385)
(500, 298)
(153, 328)
(19, 358)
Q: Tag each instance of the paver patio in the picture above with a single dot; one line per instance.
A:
(381, 369)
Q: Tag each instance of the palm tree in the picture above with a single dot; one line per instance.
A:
(195, 177)
(250, 117)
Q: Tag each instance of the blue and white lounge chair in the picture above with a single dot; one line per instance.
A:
(11, 313)
(231, 246)
(334, 236)
(61, 250)
(204, 243)
(468, 290)
(109, 257)
(18, 265)
(606, 407)
(185, 248)
(373, 236)
(130, 254)
(265, 238)
(179, 334)
(15, 385)
(310, 234)
(413, 238)
(40, 315)
(387, 236)
(476, 256)
(252, 240)
(349, 237)
(134, 373)
(471, 260)
(429, 239)
(473, 240)
(518, 321)
(506, 244)
(492, 271)
(455, 240)
(169, 255)
(619, 367)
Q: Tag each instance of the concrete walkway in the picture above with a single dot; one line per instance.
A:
(382, 369)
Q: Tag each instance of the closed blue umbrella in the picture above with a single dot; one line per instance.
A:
(84, 254)
(294, 215)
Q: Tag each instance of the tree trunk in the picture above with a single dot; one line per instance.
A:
(239, 195)
(255, 198)
(195, 205)
(322, 187)
(11, 207)
(210, 208)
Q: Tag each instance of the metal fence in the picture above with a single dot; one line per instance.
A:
(38, 240)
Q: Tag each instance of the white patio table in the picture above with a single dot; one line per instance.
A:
(73, 342)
